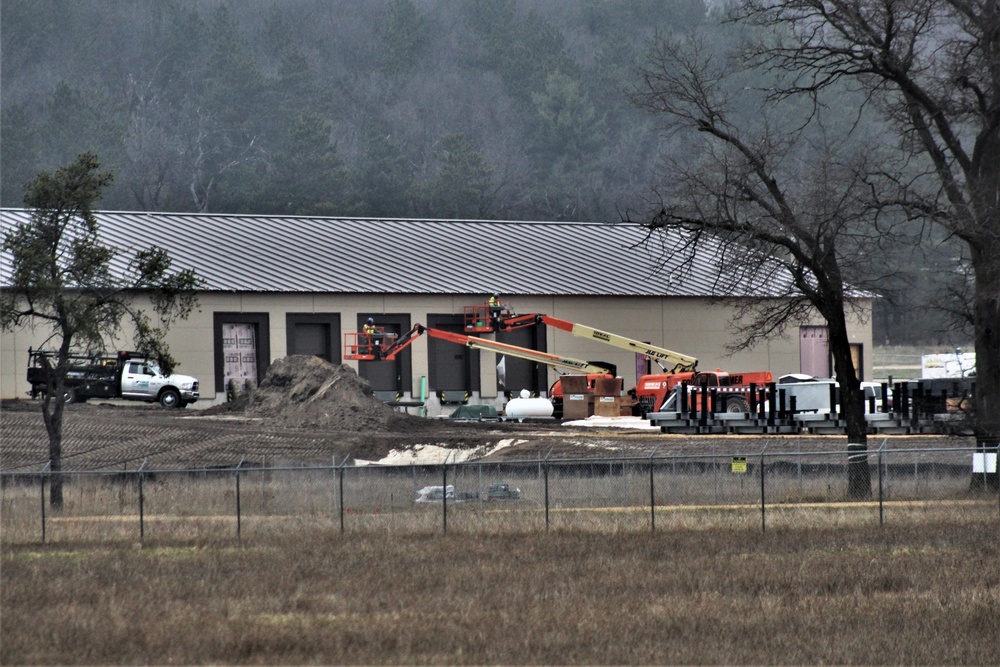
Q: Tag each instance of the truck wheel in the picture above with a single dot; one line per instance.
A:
(69, 396)
(737, 404)
(170, 398)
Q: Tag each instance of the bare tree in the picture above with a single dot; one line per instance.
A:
(210, 153)
(932, 68)
(791, 204)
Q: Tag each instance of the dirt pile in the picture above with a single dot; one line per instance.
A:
(306, 391)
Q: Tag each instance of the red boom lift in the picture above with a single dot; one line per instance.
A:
(651, 393)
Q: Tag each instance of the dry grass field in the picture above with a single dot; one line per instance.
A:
(825, 583)
(702, 589)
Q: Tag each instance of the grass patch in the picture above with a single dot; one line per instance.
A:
(706, 588)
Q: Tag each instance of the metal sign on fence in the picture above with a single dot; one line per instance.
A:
(740, 464)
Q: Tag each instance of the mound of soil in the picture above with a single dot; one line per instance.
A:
(306, 391)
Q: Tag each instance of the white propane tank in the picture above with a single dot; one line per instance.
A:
(521, 408)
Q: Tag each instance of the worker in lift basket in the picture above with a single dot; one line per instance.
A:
(495, 308)
(371, 336)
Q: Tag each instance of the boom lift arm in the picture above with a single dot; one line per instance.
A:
(668, 360)
(389, 352)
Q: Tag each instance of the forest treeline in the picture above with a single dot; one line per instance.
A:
(418, 108)
(502, 109)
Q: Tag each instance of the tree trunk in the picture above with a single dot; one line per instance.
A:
(986, 310)
(53, 406)
(852, 403)
(52, 414)
(55, 476)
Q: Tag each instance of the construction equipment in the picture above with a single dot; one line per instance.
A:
(477, 319)
(359, 346)
(367, 346)
(651, 393)
(656, 392)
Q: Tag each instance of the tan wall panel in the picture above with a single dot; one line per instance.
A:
(686, 325)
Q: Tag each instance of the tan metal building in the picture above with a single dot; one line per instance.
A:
(276, 286)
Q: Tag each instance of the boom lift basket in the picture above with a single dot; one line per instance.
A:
(480, 319)
(359, 346)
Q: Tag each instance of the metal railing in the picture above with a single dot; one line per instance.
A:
(624, 493)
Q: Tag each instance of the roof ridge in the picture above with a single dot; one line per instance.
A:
(190, 214)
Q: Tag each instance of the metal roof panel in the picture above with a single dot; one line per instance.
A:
(252, 253)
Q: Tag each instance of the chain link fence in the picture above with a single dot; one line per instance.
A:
(759, 490)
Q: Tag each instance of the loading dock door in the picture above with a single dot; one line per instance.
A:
(449, 364)
(315, 334)
(522, 373)
(814, 351)
(312, 339)
(390, 377)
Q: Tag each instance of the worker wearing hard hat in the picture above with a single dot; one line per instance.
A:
(370, 336)
(495, 308)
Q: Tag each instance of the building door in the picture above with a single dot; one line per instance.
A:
(522, 373)
(311, 338)
(242, 346)
(316, 334)
(239, 351)
(389, 378)
(814, 351)
(450, 365)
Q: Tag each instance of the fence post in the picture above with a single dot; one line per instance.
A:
(340, 491)
(881, 496)
(652, 498)
(545, 469)
(142, 503)
(239, 509)
(444, 494)
(763, 521)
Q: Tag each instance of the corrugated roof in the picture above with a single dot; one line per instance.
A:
(249, 253)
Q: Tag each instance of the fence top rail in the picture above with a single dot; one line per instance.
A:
(242, 467)
(647, 458)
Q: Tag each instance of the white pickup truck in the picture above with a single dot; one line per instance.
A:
(125, 375)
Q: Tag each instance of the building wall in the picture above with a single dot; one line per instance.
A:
(691, 326)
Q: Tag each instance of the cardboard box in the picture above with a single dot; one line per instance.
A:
(578, 406)
(607, 386)
(607, 406)
(574, 384)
